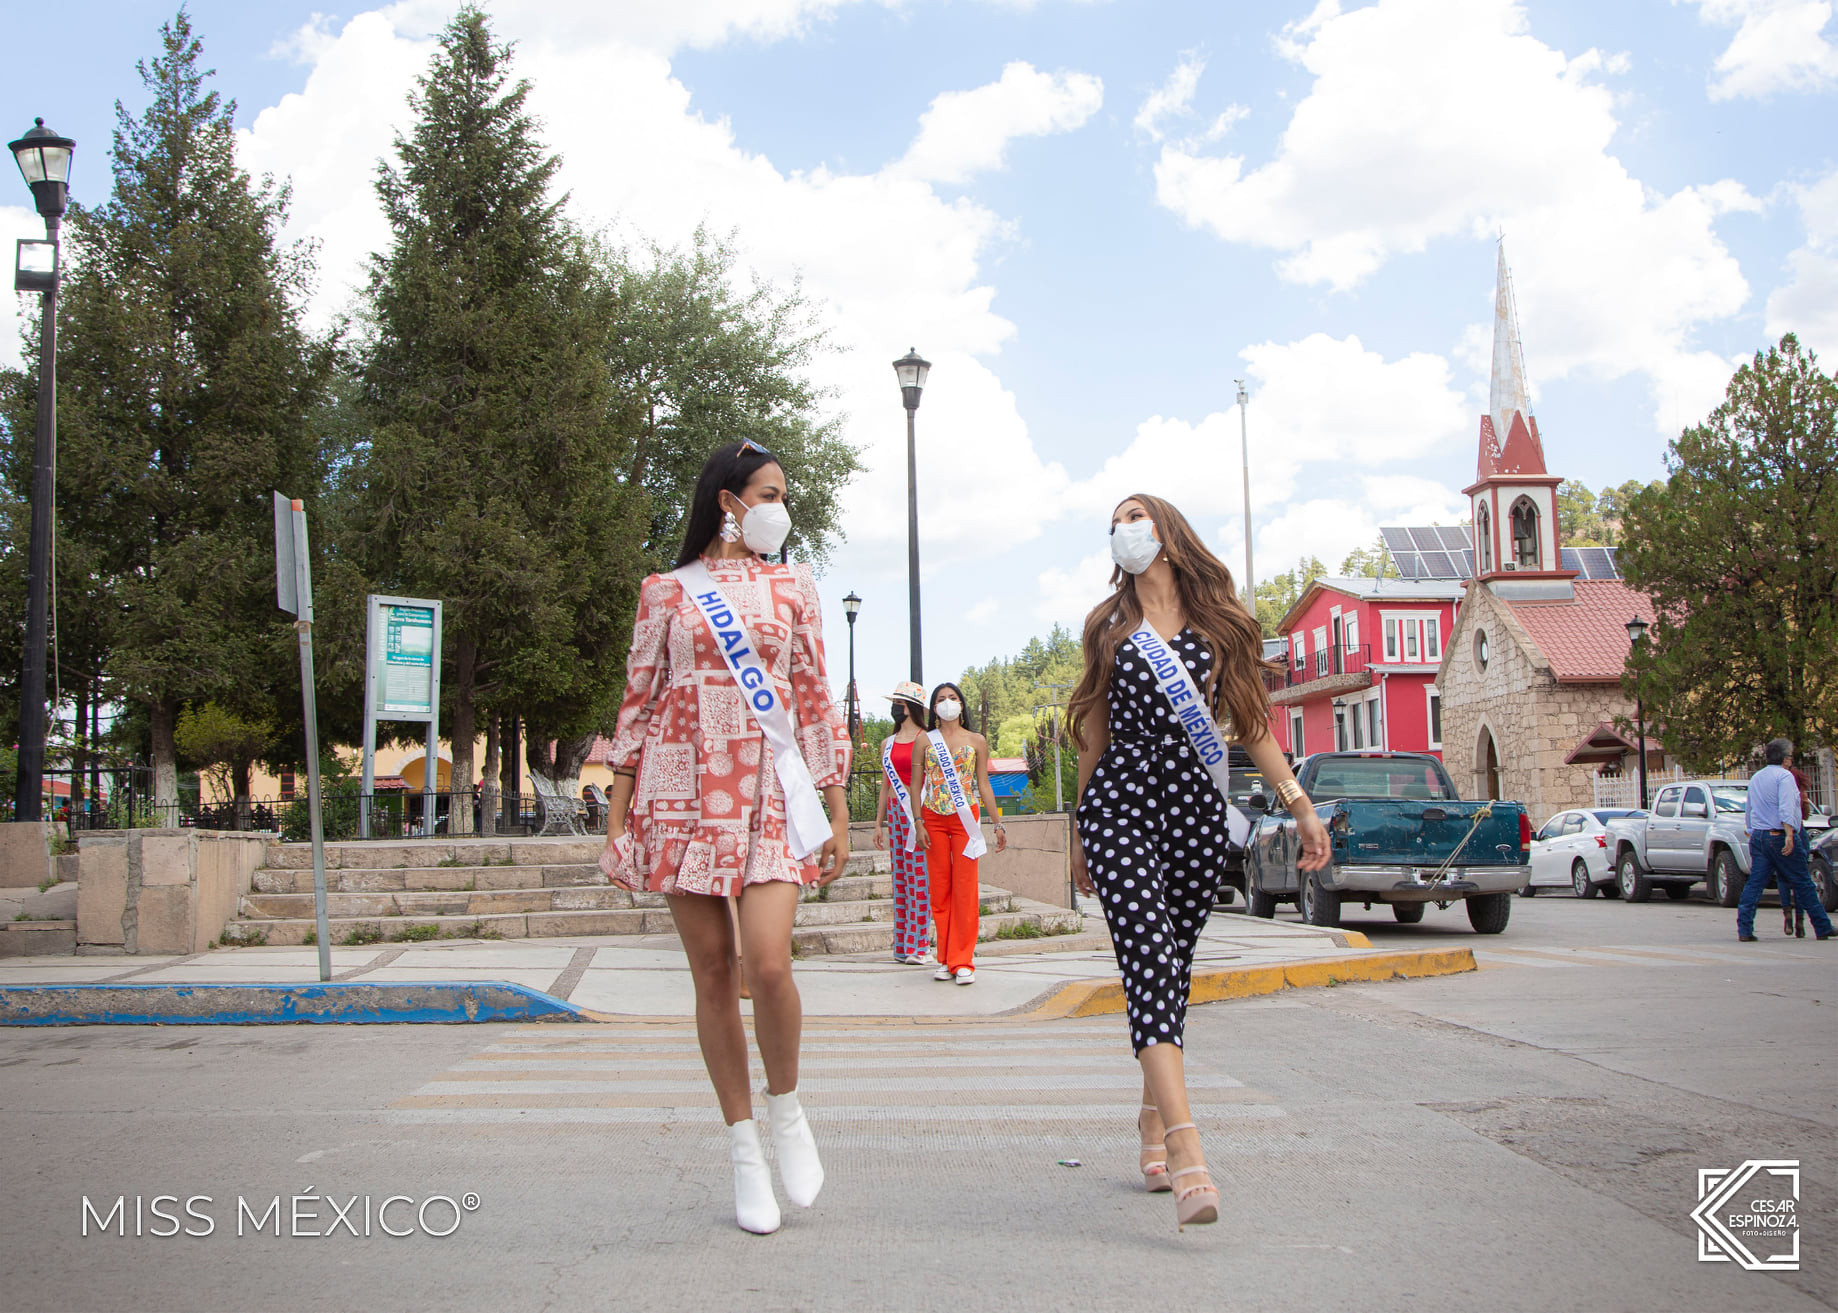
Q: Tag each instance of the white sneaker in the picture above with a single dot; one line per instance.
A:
(943, 973)
(965, 976)
(922, 960)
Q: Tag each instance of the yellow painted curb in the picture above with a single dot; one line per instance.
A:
(1096, 998)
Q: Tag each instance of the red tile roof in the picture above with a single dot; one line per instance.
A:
(597, 754)
(1585, 640)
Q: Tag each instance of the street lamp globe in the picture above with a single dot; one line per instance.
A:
(44, 162)
(851, 604)
(911, 370)
(1636, 630)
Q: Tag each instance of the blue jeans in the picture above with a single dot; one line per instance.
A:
(1766, 863)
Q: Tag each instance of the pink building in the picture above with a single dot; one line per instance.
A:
(1362, 656)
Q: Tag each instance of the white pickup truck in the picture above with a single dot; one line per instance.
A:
(1695, 830)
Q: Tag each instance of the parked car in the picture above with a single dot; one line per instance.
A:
(1695, 830)
(1822, 862)
(1399, 835)
(1247, 780)
(1570, 851)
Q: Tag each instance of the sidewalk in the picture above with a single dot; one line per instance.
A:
(645, 976)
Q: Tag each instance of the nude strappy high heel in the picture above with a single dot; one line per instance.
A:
(1196, 1205)
(1155, 1171)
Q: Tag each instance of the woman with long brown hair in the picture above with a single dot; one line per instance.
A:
(1173, 666)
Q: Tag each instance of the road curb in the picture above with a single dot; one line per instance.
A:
(336, 1003)
(1097, 998)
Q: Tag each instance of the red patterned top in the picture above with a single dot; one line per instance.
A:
(708, 814)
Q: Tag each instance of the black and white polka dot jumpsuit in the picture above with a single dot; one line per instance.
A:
(1153, 828)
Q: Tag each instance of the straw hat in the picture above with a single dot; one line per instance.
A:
(907, 691)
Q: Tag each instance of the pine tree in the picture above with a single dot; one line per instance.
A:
(185, 382)
(491, 481)
(1739, 553)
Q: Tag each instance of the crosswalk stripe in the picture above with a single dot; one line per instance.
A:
(904, 1116)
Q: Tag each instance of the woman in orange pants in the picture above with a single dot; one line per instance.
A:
(951, 835)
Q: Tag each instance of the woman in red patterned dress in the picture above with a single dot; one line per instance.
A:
(697, 810)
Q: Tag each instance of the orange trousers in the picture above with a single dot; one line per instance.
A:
(952, 877)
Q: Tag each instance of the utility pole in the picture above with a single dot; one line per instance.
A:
(1244, 443)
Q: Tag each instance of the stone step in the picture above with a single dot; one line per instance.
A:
(849, 936)
(383, 853)
(494, 902)
(396, 879)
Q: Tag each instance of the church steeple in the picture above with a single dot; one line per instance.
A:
(1514, 499)
(1509, 434)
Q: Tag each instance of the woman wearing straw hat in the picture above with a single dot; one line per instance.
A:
(912, 909)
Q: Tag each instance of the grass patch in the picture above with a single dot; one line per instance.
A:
(415, 934)
(477, 930)
(46, 883)
(361, 935)
(310, 941)
(1021, 930)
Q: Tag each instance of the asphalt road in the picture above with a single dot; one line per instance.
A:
(1525, 1137)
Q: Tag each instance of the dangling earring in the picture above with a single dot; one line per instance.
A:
(730, 528)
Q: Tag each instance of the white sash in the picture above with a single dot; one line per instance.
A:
(977, 846)
(899, 792)
(806, 825)
(1178, 687)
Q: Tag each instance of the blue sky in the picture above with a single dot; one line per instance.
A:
(1094, 216)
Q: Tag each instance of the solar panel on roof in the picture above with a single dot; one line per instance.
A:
(1438, 565)
(1467, 564)
(1455, 537)
(1600, 562)
(1567, 559)
(1426, 540)
(1410, 565)
(1397, 540)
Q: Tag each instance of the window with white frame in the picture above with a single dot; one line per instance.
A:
(1299, 642)
(1356, 714)
(1413, 637)
(1321, 650)
(1375, 722)
(1295, 735)
(1435, 715)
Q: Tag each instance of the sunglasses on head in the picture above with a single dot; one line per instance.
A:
(748, 444)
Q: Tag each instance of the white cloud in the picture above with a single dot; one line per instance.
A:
(964, 133)
(1433, 119)
(1173, 100)
(1779, 45)
(1808, 305)
(1067, 595)
(983, 611)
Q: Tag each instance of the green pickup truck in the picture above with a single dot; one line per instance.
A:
(1400, 835)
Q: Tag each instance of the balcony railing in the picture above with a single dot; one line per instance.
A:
(1324, 663)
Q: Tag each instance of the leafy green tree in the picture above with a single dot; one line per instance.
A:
(1277, 594)
(1579, 520)
(1611, 506)
(697, 362)
(491, 478)
(185, 383)
(224, 748)
(1739, 554)
(1373, 562)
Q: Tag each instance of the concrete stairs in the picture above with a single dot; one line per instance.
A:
(414, 890)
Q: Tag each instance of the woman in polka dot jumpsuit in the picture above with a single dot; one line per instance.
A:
(1152, 824)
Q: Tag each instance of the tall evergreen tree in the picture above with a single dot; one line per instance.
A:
(1739, 552)
(492, 476)
(185, 382)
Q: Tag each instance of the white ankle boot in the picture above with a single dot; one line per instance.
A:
(796, 1147)
(755, 1208)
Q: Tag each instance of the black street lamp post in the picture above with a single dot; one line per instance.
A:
(912, 370)
(1636, 635)
(44, 160)
(850, 605)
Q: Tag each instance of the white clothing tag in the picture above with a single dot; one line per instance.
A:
(1178, 687)
(977, 845)
(900, 793)
(806, 824)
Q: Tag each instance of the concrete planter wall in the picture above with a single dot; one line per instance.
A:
(162, 891)
(1036, 865)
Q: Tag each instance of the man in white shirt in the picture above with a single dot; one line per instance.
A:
(1777, 844)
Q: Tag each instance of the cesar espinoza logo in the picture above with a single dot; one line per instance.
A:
(1736, 1218)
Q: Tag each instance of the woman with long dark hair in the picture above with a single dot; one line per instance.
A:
(950, 773)
(893, 816)
(1173, 666)
(725, 740)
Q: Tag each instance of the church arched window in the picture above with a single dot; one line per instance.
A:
(1525, 534)
(1483, 537)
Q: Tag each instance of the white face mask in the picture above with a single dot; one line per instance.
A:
(1133, 545)
(949, 709)
(765, 527)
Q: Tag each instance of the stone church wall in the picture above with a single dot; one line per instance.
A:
(1535, 721)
